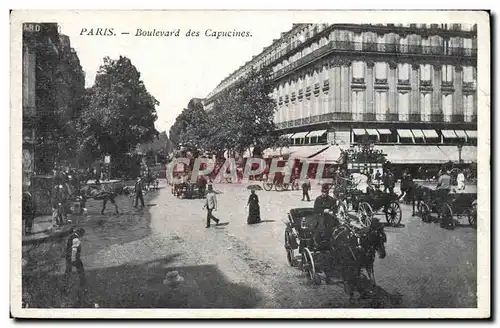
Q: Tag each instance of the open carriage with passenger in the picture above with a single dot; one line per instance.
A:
(368, 189)
(449, 206)
(324, 248)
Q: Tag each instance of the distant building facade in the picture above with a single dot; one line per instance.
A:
(394, 84)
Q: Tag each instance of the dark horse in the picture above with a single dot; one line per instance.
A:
(97, 193)
(354, 250)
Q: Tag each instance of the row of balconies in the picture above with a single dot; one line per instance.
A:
(425, 85)
(374, 117)
(397, 49)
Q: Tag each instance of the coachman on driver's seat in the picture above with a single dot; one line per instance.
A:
(325, 205)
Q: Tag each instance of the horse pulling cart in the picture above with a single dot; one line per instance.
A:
(449, 207)
(321, 250)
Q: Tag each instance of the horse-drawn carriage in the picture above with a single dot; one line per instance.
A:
(448, 206)
(321, 247)
(376, 201)
(366, 204)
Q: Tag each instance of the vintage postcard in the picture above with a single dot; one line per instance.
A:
(250, 164)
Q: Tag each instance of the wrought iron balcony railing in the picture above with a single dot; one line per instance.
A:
(387, 48)
(380, 117)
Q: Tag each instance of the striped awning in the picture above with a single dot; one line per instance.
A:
(300, 135)
(384, 131)
(417, 133)
(358, 132)
(430, 133)
(318, 133)
(405, 133)
(449, 134)
(372, 132)
(471, 133)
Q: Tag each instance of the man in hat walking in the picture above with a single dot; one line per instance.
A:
(138, 192)
(306, 186)
(211, 205)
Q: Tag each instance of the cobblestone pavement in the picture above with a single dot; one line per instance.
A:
(234, 265)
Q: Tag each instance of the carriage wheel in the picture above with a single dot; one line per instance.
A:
(268, 186)
(286, 186)
(309, 267)
(365, 213)
(278, 187)
(425, 212)
(446, 217)
(393, 213)
(472, 216)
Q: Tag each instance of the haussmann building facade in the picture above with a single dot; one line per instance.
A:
(409, 89)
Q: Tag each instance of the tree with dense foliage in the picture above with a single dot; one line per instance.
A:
(120, 112)
(243, 115)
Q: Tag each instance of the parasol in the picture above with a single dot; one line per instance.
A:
(254, 187)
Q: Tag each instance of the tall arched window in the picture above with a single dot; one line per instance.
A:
(403, 73)
(403, 106)
(469, 75)
(426, 106)
(381, 105)
(358, 104)
(403, 44)
(358, 71)
(425, 72)
(381, 69)
(447, 106)
(447, 74)
(469, 109)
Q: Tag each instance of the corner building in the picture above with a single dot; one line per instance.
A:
(410, 89)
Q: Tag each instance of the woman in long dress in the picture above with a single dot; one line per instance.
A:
(253, 208)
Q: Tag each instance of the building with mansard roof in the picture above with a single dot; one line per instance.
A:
(410, 89)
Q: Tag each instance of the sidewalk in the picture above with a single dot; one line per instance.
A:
(42, 231)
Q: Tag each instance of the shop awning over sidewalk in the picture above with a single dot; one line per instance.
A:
(449, 134)
(359, 132)
(288, 135)
(285, 151)
(384, 131)
(318, 133)
(328, 156)
(405, 133)
(300, 135)
(417, 133)
(469, 153)
(401, 154)
(430, 133)
(307, 151)
(471, 134)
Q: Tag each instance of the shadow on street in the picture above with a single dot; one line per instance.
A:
(142, 286)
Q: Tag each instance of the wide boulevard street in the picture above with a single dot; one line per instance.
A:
(235, 265)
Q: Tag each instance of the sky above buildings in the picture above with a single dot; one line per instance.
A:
(174, 69)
